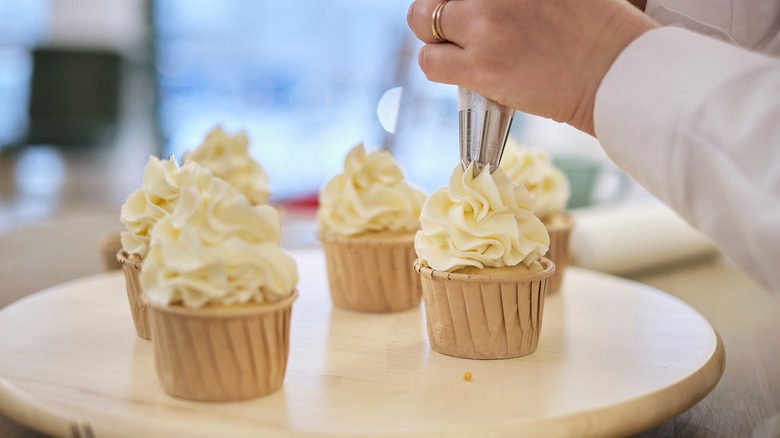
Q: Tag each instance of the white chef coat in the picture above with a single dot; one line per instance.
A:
(696, 121)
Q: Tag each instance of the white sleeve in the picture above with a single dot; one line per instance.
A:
(697, 122)
(750, 24)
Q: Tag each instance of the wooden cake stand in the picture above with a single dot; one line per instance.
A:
(615, 357)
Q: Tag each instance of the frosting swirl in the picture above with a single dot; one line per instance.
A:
(547, 185)
(481, 222)
(371, 195)
(228, 158)
(217, 248)
(162, 183)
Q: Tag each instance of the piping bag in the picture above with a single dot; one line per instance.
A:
(484, 129)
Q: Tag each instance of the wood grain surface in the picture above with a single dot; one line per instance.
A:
(746, 402)
(615, 357)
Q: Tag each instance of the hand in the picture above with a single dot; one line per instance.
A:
(544, 57)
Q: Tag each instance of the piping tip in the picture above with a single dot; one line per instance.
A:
(484, 129)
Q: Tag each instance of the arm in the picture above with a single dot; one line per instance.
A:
(694, 120)
(702, 134)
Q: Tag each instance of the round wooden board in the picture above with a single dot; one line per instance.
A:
(615, 357)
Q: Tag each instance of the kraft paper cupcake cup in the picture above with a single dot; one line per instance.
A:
(108, 245)
(559, 228)
(221, 353)
(372, 273)
(476, 316)
(131, 265)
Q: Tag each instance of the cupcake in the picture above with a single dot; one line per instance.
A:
(156, 199)
(219, 290)
(480, 256)
(109, 245)
(550, 191)
(227, 156)
(367, 219)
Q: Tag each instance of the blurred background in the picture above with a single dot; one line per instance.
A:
(89, 89)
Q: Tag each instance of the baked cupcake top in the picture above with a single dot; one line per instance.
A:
(547, 185)
(484, 222)
(216, 248)
(157, 197)
(370, 196)
(227, 156)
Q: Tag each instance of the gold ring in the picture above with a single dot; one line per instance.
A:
(436, 23)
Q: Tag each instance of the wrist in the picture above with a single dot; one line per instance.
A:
(625, 25)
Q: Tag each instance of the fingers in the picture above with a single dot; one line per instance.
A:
(445, 63)
(440, 62)
(420, 19)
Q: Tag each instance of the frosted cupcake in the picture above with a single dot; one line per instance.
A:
(220, 292)
(483, 275)
(367, 218)
(156, 199)
(549, 190)
(227, 156)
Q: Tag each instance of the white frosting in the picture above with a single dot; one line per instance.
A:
(481, 222)
(217, 248)
(228, 158)
(547, 185)
(156, 199)
(371, 195)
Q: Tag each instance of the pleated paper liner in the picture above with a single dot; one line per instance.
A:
(475, 316)
(221, 353)
(108, 245)
(131, 265)
(559, 228)
(372, 274)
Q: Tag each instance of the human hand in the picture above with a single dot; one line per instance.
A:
(541, 57)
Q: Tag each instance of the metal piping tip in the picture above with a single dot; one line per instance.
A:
(484, 129)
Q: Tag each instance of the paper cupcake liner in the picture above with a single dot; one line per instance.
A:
(132, 270)
(221, 354)
(108, 246)
(370, 275)
(482, 316)
(559, 252)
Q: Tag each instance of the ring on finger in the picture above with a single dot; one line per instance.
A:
(436, 23)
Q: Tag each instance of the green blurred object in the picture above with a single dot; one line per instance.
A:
(584, 174)
(74, 97)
